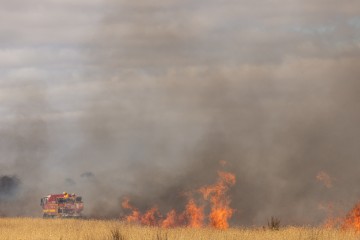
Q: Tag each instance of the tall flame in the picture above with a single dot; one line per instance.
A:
(220, 210)
(193, 215)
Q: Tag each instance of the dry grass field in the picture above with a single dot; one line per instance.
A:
(56, 229)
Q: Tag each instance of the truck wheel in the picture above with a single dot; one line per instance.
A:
(45, 215)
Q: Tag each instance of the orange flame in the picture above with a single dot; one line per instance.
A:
(135, 215)
(193, 215)
(150, 217)
(352, 220)
(170, 220)
(220, 210)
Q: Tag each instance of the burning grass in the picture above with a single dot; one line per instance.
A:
(205, 216)
(56, 229)
(210, 206)
(212, 196)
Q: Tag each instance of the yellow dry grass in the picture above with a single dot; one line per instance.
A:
(49, 229)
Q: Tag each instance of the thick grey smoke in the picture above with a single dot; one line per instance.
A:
(170, 88)
(182, 89)
(24, 148)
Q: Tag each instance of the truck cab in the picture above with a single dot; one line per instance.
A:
(62, 205)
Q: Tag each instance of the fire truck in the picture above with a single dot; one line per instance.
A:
(62, 205)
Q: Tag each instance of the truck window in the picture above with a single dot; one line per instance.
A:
(43, 201)
(69, 200)
(78, 199)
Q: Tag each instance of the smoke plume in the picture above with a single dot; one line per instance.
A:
(24, 149)
(8, 186)
(168, 89)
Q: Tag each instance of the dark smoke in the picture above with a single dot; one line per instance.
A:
(9, 185)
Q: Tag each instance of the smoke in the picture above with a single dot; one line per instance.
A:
(171, 88)
(9, 186)
(275, 134)
(24, 148)
(87, 175)
(178, 95)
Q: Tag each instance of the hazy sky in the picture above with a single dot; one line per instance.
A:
(109, 98)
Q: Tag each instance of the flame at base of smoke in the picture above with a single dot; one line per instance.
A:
(352, 220)
(219, 217)
(193, 215)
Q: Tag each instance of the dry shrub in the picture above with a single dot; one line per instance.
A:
(274, 224)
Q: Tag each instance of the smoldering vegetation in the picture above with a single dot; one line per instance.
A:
(173, 90)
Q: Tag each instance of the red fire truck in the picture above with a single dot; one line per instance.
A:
(62, 205)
